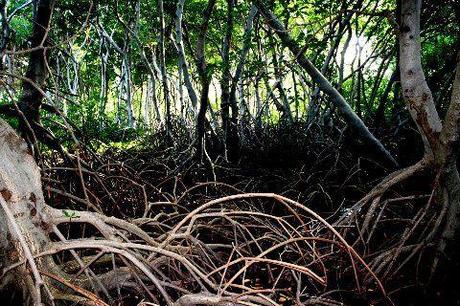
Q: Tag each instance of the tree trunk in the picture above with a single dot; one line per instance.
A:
(205, 77)
(286, 107)
(183, 65)
(380, 112)
(23, 217)
(441, 141)
(164, 76)
(34, 83)
(233, 140)
(226, 76)
(104, 56)
(417, 94)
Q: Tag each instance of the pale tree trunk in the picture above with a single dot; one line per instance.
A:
(164, 76)
(270, 91)
(154, 72)
(151, 64)
(153, 96)
(147, 103)
(243, 55)
(133, 24)
(183, 65)
(5, 31)
(416, 92)
(180, 90)
(441, 141)
(358, 102)
(104, 57)
(23, 219)
(126, 87)
(342, 56)
(72, 74)
(62, 104)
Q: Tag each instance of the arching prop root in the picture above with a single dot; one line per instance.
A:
(389, 241)
(245, 249)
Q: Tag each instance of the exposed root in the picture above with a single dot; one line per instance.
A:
(238, 249)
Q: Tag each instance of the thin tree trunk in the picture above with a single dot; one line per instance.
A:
(380, 112)
(358, 102)
(104, 56)
(226, 76)
(5, 31)
(164, 76)
(342, 57)
(279, 81)
(205, 78)
(379, 77)
(183, 65)
(258, 104)
(127, 92)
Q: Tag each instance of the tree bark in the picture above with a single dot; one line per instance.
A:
(23, 214)
(441, 141)
(417, 94)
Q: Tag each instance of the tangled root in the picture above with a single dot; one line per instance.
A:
(243, 249)
(229, 251)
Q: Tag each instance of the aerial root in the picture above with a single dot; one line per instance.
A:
(251, 258)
